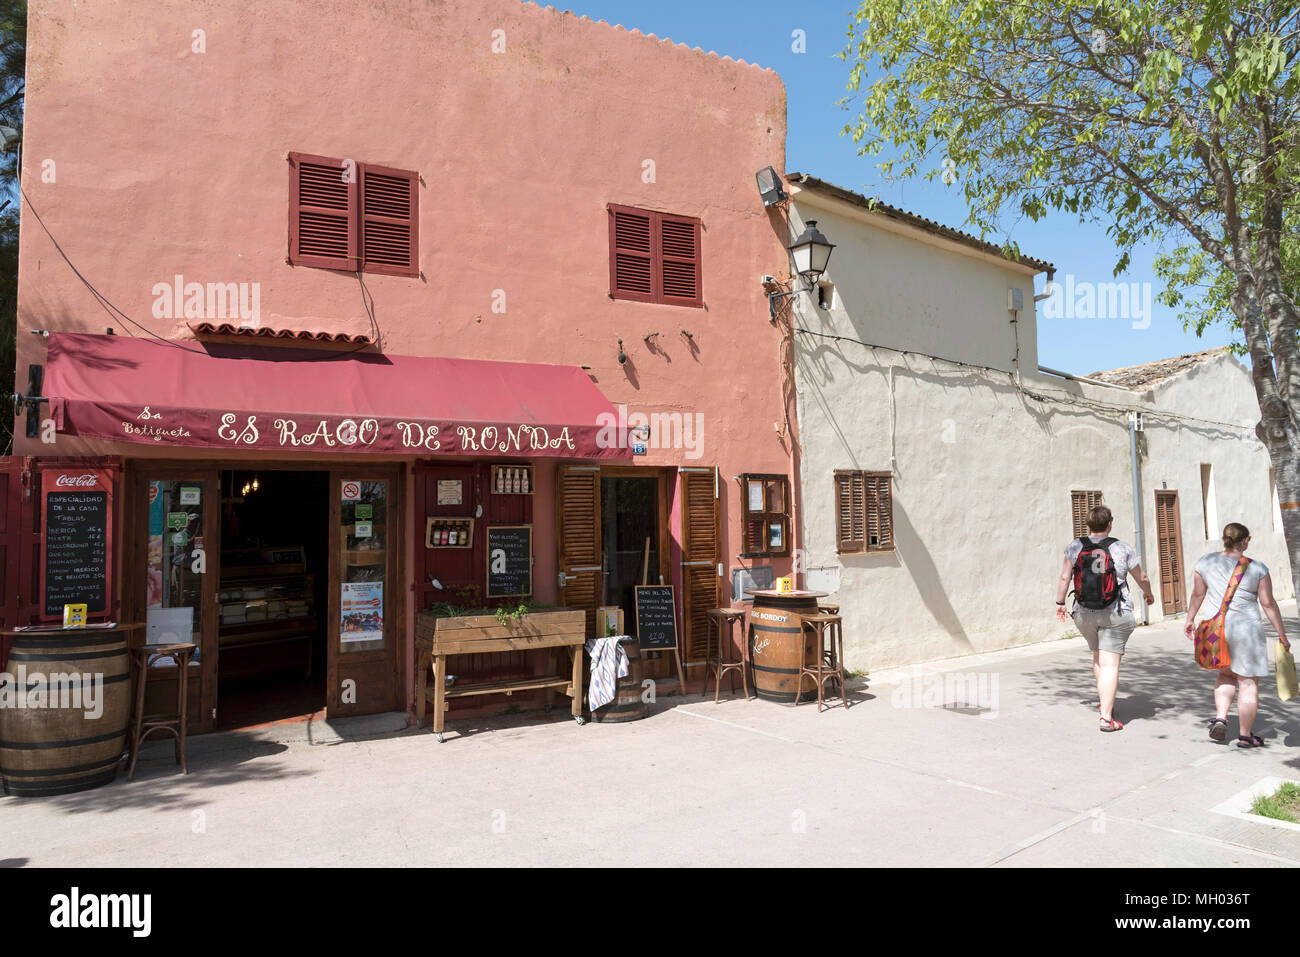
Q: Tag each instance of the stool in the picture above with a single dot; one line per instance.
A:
(828, 609)
(830, 658)
(143, 658)
(719, 658)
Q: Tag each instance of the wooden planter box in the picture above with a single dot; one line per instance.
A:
(436, 638)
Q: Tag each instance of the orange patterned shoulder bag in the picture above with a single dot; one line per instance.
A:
(1211, 644)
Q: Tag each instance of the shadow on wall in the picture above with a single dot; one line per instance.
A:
(911, 554)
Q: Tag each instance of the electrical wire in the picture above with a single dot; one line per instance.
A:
(1061, 398)
(367, 302)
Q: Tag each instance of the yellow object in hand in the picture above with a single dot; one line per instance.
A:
(1286, 677)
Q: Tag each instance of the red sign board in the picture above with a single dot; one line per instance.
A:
(77, 540)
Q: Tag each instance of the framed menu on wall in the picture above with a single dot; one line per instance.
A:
(77, 515)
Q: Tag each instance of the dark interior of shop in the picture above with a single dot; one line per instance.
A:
(630, 515)
(274, 575)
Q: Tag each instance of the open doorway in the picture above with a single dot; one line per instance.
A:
(271, 660)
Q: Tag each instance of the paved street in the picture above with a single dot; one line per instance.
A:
(1015, 775)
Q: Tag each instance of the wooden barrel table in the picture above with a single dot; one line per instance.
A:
(777, 623)
(628, 704)
(53, 738)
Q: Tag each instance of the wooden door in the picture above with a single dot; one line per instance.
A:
(366, 587)
(577, 523)
(1169, 552)
(701, 555)
(174, 547)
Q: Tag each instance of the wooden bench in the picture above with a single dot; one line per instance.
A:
(437, 638)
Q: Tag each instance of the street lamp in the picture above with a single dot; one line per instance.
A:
(810, 252)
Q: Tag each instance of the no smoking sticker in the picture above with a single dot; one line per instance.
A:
(351, 491)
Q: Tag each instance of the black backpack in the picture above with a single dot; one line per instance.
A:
(1096, 585)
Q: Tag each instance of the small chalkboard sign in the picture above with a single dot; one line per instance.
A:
(77, 506)
(656, 618)
(509, 560)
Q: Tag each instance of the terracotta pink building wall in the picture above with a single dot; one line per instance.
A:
(148, 160)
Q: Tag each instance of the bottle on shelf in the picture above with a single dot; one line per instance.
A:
(514, 481)
(501, 479)
(523, 481)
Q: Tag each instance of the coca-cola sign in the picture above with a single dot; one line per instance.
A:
(85, 480)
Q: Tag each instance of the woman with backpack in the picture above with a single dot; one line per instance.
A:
(1237, 588)
(1099, 566)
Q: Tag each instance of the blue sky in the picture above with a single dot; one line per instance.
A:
(759, 31)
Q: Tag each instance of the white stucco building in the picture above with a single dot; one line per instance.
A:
(941, 469)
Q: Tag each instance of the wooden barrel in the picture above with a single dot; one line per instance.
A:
(777, 623)
(627, 704)
(54, 738)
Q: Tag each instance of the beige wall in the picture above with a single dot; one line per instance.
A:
(983, 470)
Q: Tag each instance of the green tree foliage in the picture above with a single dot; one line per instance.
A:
(1167, 121)
(13, 62)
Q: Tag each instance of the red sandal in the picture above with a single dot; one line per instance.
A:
(1110, 724)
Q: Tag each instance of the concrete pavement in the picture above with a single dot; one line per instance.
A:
(990, 760)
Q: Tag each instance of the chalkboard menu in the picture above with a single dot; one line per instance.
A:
(77, 509)
(656, 618)
(509, 560)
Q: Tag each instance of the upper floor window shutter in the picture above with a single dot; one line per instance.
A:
(390, 222)
(322, 212)
(679, 245)
(633, 265)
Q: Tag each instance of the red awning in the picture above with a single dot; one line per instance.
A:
(240, 398)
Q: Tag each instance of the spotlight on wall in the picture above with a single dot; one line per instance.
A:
(769, 186)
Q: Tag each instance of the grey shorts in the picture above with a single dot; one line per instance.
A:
(1106, 629)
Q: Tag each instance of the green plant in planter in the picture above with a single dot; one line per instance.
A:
(508, 616)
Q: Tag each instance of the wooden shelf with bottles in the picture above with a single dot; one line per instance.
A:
(448, 532)
(512, 480)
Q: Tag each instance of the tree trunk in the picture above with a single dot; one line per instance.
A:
(1277, 427)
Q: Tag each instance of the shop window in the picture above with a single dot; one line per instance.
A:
(864, 511)
(1081, 503)
(766, 517)
(654, 257)
(353, 216)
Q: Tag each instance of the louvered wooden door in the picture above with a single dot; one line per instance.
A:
(701, 553)
(1169, 552)
(577, 498)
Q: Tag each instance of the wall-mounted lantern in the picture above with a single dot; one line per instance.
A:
(809, 254)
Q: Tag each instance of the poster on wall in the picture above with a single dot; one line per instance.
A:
(361, 612)
(450, 492)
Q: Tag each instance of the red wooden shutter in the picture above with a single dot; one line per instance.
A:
(322, 212)
(679, 244)
(390, 222)
(577, 503)
(701, 552)
(633, 265)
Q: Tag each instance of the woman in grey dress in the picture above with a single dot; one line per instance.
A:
(1244, 629)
